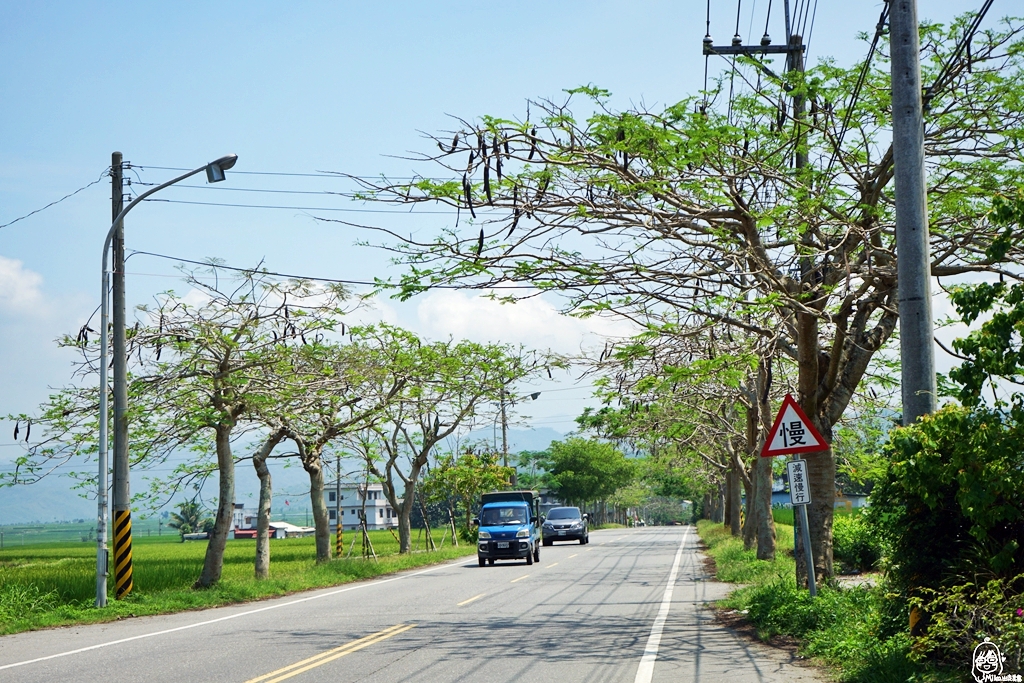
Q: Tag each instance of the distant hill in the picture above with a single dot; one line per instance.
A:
(519, 439)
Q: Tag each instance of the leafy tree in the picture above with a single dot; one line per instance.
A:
(226, 359)
(447, 385)
(699, 402)
(531, 469)
(585, 470)
(694, 212)
(341, 388)
(190, 517)
(201, 366)
(462, 479)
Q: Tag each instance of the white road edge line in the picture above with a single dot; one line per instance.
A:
(231, 616)
(646, 671)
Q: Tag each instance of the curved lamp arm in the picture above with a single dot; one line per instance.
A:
(214, 173)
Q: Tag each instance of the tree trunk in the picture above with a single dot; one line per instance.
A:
(259, 461)
(765, 528)
(762, 474)
(405, 510)
(821, 466)
(752, 516)
(321, 518)
(726, 507)
(405, 520)
(214, 562)
(735, 500)
(718, 504)
(752, 513)
(821, 473)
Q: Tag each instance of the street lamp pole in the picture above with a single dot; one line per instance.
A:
(214, 173)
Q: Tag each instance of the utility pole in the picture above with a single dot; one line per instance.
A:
(338, 544)
(913, 256)
(807, 323)
(504, 430)
(122, 495)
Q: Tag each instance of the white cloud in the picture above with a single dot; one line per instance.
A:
(20, 288)
(535, 322)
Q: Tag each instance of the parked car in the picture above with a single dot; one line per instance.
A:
(566, 524)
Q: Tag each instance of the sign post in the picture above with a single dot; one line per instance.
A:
(792, 433)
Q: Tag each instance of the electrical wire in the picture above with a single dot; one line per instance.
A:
(302, 208)
(810, 31)
(311, 278)
(855, 95)
(221, 188)
(334, 175)
(707, 57)
(106, 173)
(940, 82)
(750, 26)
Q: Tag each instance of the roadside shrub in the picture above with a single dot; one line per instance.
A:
(855, 545)
(952, 499)
(469, 534)
(962, 616)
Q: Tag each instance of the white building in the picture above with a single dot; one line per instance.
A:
(379, 514)
(245, 520)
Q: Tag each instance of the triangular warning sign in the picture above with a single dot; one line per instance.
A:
(792, 432)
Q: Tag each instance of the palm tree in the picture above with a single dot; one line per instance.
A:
(190, 517)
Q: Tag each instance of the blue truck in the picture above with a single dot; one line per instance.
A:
(509, 524)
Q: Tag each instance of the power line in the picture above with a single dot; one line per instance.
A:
(103, 175)
(301, 208)
(939, 83)
(240, 189)
(879, 30)
(319, 174)
(376, 283)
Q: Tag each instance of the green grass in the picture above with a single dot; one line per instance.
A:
(844, 628)
(53, 584)
(736, 565)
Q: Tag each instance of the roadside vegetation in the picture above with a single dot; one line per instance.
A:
(47, 585)
(848, 629)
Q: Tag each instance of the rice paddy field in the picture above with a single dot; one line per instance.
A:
(54, 583)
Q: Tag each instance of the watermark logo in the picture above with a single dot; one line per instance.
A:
(988, 664)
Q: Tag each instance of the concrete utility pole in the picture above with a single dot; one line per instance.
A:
(214, 173)
(504, 430)
(338, 543)
(913, 254)
(122, 495)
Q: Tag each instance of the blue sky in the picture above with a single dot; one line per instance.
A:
(301, 87)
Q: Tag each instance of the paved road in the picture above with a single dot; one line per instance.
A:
(626, 607)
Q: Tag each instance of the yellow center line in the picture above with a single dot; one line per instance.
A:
(329, 656)
(589, 549)
(519, 579)
(550, 565)
(572, 556)
(466, 602)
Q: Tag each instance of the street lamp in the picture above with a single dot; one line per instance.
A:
(214, 173)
